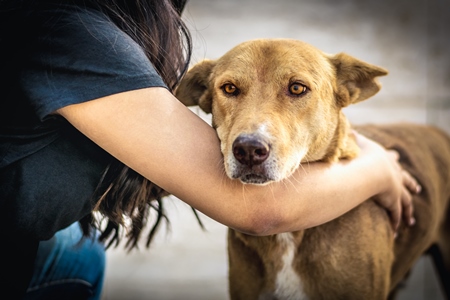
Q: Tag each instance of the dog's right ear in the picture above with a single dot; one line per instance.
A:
(193, 87)
(356, 79)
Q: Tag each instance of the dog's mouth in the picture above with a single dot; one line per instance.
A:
(256, 174)
(253, 178)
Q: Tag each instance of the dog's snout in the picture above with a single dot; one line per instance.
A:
(250, 150)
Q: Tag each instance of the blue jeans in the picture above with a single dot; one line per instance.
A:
(68, 268)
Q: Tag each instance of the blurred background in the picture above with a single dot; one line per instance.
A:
(410, 38)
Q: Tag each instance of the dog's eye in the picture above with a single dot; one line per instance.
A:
(230, 89)
(297, 89)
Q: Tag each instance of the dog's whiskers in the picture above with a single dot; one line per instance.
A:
(303, 168)
(244, 199)
(271, 190)
(293, 185)
(220, 164)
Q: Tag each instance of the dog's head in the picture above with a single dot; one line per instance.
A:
(276, 103)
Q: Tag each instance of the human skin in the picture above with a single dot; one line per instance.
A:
(150, 131)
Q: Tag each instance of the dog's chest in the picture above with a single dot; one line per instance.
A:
(288, 285)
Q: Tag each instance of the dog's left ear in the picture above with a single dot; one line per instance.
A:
(193, 87)
(355, 79)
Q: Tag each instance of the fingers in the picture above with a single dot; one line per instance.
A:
(407, 208)
(393, 155)
(411, 183)
(408, 180)
(406, 212)
(410, 186)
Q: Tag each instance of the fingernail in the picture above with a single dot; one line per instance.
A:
(412, 221)
(395, 235)
(418, 188)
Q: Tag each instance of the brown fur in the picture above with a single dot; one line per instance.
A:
(354, 256)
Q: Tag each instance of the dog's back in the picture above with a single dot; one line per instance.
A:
(425, 153)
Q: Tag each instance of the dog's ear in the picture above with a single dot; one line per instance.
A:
(193, 87)
(356, 79)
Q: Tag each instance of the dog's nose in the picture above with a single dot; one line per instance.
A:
(250, 150)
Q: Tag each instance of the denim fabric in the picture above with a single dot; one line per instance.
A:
(68, 267)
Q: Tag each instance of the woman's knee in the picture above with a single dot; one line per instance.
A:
(68, 261)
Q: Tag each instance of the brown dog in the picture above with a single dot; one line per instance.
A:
(276, 104)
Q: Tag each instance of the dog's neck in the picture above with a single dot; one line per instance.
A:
(343, 145)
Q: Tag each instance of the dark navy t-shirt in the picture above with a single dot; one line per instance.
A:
(52, 56)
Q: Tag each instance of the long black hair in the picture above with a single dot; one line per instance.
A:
(156, 25)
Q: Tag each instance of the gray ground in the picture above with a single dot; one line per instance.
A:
(409, 38)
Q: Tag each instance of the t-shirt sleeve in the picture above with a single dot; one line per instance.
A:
(82, 56)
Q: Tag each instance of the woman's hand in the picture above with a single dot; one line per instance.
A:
(396, 198)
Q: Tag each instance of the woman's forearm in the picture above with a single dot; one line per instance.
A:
(321, 192)
(153, 133)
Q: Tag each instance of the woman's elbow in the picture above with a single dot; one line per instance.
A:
(262, 222)
(272, 217)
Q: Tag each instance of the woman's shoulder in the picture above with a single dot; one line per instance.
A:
(66, 54)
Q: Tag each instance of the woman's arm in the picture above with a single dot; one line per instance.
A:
(153, 133)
